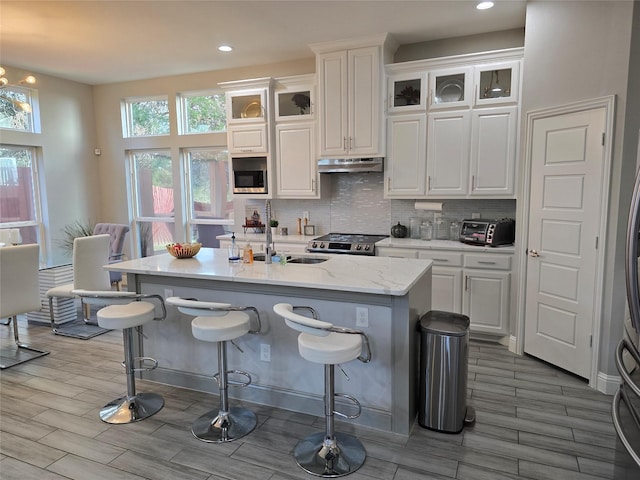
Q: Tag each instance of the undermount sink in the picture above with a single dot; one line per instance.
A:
(259, 257)
(309, 260)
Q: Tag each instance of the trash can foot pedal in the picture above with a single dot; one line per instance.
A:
(470, 416)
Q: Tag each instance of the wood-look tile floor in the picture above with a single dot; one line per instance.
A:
(533, 421)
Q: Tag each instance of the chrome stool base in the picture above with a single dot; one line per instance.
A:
(131, 409)
(330, 458)
(217, 427)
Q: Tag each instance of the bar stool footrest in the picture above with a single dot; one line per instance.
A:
(233, 383)
(353, 400)
(342, 455)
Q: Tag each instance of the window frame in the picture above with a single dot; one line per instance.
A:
(126, 111)
(190, 220)
(183, 110)
(33, 100)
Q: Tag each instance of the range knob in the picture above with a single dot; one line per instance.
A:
(367, 247)
(322, 245)
(314, 245)
(358, 247)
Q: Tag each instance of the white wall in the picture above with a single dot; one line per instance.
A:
(68, 168)
(575, 51)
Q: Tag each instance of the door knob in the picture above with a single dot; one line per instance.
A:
(533, 253)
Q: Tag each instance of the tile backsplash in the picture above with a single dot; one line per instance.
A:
(355, 203)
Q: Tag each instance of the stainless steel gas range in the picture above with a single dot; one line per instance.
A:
(349, 243)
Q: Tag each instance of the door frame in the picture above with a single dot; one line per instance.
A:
(524, 201)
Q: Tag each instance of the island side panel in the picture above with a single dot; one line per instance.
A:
(289, 381)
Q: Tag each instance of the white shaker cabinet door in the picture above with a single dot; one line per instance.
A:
(448, 136)
(296, 163)
(486, 300)
(493, 151)
(406, 156)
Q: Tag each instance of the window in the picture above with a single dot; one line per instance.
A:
(20, 193)
(145, 117)
(202, 112)
(209, 196)
(153, 200)
(18, 109)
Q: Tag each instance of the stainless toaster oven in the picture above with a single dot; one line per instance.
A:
(480, 231)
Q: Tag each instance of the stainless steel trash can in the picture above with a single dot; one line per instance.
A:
(444, 356)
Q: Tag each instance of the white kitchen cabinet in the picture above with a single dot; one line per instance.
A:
(406, 93)
(486, 300)
(248, 138)
(450, 88)
(472, 153)
(493, 151)
(448, 138)
(446, 280)
(406, 156)
(475, 284)
(295, 98)
(247, 105)
(497, 83)
(350, 102)
(296, 163)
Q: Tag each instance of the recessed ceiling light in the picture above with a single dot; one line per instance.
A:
(484, 5)
(225, 48)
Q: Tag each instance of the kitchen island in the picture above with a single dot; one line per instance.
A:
(386, 295)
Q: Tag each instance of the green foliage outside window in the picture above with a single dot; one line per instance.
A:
(205, 113)
(149, 117)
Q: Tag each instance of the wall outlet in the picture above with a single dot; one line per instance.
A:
(168, 292)
(265, 352)
(305, 214)
(362, 317)
(475, 215)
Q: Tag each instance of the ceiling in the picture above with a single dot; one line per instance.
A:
(97, 42)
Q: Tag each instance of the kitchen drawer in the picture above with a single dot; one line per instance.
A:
(495, 262)
(396, 252)
(448, 259)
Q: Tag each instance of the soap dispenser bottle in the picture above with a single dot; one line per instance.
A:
(234, 251)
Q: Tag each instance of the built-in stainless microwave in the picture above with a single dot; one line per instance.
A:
(249, 174)
(249, 181)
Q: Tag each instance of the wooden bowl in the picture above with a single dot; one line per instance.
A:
(183, 250)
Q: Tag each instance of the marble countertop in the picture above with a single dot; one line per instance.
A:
(441, 245)
(352, 273)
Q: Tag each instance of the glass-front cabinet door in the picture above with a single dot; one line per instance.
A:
(294, 104)
(246, 106)
(450, 88)
(406, 92)
(497, 83)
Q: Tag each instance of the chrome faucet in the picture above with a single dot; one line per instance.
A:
(268, 248)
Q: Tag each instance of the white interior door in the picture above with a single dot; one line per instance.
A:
(567, 155)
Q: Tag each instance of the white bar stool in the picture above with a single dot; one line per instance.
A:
(220, 323)
(328, 454)
(125, 311)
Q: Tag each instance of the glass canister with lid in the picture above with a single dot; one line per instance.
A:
(441, 228)
(454, 230)
(414, 226)
(426, 230)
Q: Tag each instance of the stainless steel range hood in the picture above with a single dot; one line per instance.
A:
(350, 165)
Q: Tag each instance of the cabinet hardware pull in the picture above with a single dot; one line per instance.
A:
(440, 259)
(428, 183)
(473, 182)
(344, 143)
(350, 143)
(388, 184)
(466, 283)
(484, 262)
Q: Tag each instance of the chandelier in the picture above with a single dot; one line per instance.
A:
(4, 82)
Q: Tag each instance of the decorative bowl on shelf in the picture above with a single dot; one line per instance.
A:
(183, 250)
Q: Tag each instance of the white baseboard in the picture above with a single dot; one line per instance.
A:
(513, 344)
(607, 384)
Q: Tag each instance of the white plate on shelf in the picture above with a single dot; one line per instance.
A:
(450, 91)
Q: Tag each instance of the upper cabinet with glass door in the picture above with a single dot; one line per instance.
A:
(247, 106)
(450, 88)
(407, 92)
(295, 98)
(497, 83)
